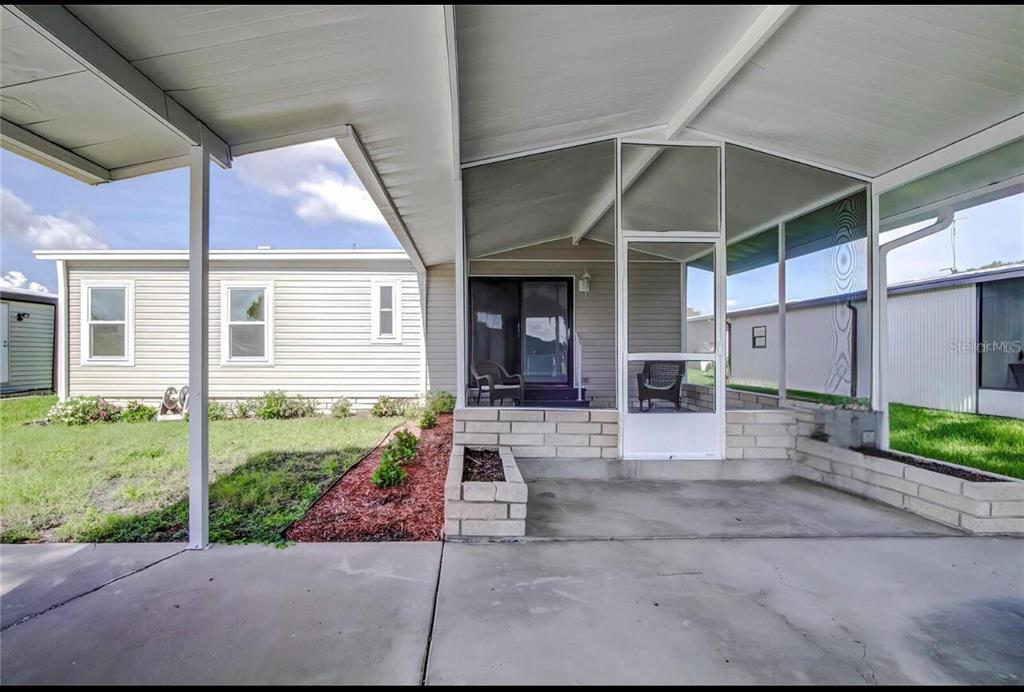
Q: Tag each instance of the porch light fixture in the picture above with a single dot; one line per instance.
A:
(22, 316)
(585, 282)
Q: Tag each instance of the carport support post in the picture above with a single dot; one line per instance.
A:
(198, 349)
(782, 313)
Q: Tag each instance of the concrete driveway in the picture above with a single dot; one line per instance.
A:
(905, 604)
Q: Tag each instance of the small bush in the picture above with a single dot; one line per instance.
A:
(389, 471)
(386, 407)
(245, 408)
(218, 410)
(428, 419)
(137, 412)
(342, 408)
(403, 444)
(83, 410)
(440, 401)
(275, 404)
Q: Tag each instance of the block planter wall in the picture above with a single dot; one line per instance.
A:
(975, 507)
(569, 433)
(486, 509)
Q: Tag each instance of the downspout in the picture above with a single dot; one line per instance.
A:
(942, 222)
(853, 350)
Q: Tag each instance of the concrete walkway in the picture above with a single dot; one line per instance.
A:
(835, 606)
(710, 509)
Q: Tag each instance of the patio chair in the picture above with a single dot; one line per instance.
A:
(660, 380)
(499, 384)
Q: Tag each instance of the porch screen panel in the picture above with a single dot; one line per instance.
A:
(669, 188)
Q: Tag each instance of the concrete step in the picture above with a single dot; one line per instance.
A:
(654, 469)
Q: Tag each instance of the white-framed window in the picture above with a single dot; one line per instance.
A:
(386, 310)
(247, 323)
(108, 323)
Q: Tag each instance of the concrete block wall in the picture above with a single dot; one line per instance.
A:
(529, 433)
(975, 507)
(765, 434)
(479, 508)
(738, 399)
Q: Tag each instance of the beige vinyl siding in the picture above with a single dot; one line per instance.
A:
(441, 346)
(30, 347)
(321, 332)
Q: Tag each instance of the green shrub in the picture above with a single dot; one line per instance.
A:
(342, 408)
(275, 404)
(440, 401)
(137, 412)
(428, 419)
(389, 471)
(83, 410)
(386, 407)
(403, 444)
(245, 408)
(218, 410)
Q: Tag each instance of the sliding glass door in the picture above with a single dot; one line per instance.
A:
(525, 325)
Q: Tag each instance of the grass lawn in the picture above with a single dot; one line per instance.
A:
(129, 481)
(982, 442)
(802, 395)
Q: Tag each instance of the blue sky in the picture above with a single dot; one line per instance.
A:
(308, 197)
(300, 197)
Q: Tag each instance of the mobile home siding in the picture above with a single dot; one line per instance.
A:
(924, 370)
(30, 347)
(321, 329)
(441, 348)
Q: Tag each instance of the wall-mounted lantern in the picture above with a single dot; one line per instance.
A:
(585, 282)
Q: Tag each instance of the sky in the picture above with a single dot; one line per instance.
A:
(307, 196)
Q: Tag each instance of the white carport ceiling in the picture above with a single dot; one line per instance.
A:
(534, 75)
(868, 89)
(52, 95)
(256, 74)
(862, 88)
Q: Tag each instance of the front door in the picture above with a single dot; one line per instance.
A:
(525, 324)
(671, 302)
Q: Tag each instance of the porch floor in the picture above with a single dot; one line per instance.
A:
(575, 508)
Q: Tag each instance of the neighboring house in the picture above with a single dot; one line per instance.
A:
(317, 323)
(932, 325)
(27, 321)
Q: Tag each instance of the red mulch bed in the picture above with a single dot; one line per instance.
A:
(356, 510)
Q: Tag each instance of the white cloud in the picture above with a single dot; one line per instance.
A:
(68, 231)
(15, 279)
(316, 179)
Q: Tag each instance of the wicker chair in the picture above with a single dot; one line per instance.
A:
(659, 380)
(499, 384)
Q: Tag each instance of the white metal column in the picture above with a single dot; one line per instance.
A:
(782, 313)
(684, 325)
(876, 290)
(198, 346)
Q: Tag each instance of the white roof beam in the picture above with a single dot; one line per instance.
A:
(30, 145)
(360, 161)
(968, 147)
(762, 29)
(74, 37)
